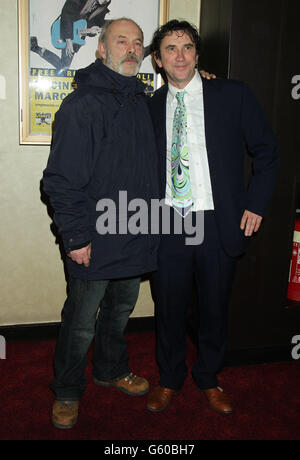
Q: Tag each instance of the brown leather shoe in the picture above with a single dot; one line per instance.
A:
(160, 398)
(65, 414)
(218, 400)
(132, 385)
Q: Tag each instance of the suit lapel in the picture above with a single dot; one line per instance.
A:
(212, 123)
(158, 108)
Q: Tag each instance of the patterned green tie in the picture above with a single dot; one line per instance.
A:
(181, 185)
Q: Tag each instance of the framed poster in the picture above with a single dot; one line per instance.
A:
(48, 59)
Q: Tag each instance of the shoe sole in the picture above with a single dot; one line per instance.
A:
(219, 411)
(159, 410)
(105, 384)
(64, 427)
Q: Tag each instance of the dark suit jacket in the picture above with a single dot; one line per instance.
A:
(234, 120)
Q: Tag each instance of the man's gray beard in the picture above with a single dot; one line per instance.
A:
(138, 66)
(119, 70)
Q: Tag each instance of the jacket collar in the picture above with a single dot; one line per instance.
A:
(101, 76)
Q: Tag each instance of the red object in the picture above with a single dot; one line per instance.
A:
(294, 280)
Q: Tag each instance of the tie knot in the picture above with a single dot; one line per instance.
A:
(180, 96)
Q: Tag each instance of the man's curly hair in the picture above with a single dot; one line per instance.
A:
(174, 26)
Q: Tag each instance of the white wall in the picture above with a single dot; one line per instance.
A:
(186, 9)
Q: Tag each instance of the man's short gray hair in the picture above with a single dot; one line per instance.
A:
(105, 28)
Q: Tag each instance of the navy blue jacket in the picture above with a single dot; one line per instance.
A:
(103, 143)
(234, 121)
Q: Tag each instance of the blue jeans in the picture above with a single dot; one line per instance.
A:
(82, 321)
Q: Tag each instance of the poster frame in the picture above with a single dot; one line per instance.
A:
(24, 33)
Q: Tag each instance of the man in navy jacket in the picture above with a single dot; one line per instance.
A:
(223, 118)
(103, 145)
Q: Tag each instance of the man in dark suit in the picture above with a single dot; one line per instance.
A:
(202, 128)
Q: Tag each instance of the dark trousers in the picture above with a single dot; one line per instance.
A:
(209, 271)
(82, 321)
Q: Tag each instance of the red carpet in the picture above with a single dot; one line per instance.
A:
(266, 399)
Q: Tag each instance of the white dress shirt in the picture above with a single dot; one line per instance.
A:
(196, 142)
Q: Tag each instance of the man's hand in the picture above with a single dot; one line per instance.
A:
(207, 75)
(250, 223)
(69, 48)
(81, 256)
(94, 30)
